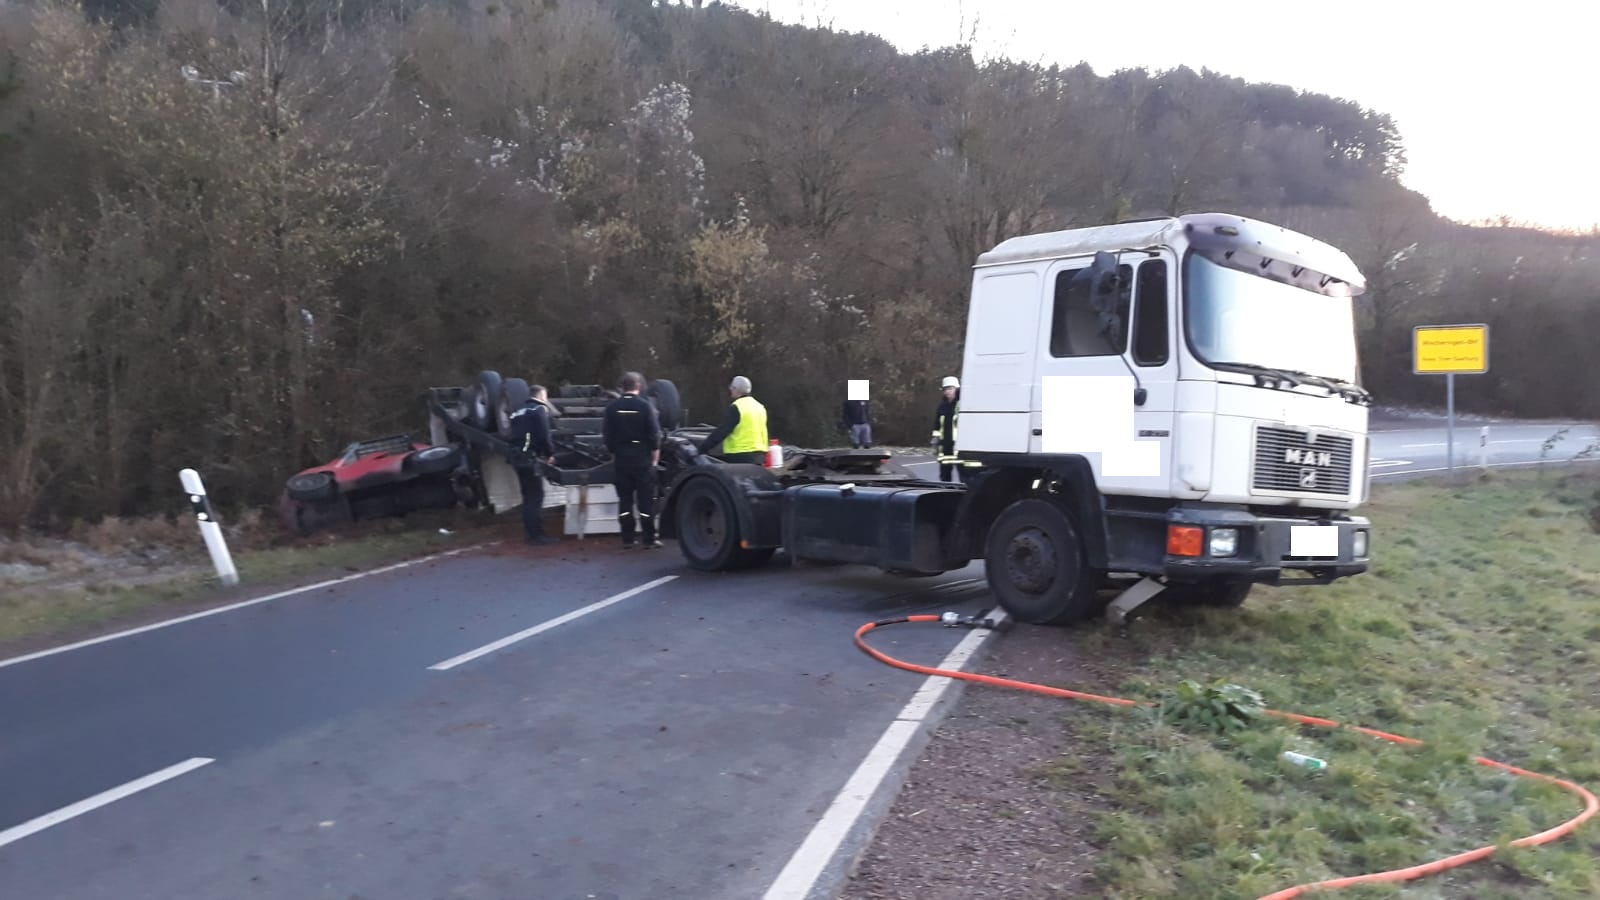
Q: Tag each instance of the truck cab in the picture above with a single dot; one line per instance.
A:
(1199, 374)
(1174, 402)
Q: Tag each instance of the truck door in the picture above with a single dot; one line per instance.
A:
(1093, 353)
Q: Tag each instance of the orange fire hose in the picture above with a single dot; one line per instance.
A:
(1590, 804)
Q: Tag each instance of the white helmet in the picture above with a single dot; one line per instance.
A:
(950, 381)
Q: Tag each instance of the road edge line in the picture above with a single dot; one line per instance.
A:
(823, 862)
(165, 623)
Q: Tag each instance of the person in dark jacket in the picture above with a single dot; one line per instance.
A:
(632, 432)
(944, 431)
(532, 445)
(857, 419)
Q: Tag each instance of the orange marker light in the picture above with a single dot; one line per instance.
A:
(1185, 540)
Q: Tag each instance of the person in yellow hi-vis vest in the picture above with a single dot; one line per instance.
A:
(944, 432)
(743, 432)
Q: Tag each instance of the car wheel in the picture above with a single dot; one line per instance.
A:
(431, 460)
(312, 486)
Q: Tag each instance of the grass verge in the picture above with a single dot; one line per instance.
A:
(95, 595)
(1476, 631)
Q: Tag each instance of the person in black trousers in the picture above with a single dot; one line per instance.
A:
(632, 432)
(530, 436)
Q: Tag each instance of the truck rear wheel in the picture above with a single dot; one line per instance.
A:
(1035, 565)
(708, 530)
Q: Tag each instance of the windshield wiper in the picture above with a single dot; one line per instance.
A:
(1266, 376)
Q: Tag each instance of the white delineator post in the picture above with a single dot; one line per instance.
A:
(209, 529)
(1483, 442)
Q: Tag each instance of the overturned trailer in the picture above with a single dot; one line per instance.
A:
(465, 459)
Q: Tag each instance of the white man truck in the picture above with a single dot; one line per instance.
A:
(1172, 403)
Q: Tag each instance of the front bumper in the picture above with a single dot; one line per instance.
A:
(1266, 547)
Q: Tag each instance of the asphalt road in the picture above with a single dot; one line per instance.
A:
(1402, 451)
(680, 741)
(573, 721)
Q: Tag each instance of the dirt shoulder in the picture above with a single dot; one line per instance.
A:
(1004, 800)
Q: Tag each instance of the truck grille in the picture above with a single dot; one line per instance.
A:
(1290, 461)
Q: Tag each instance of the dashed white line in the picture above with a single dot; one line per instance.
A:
(1418, 446)
(542, 627)
(233, 606)
(88, 804)
(808, 864)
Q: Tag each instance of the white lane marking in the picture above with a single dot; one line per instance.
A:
(34, 826)
(542, 627)
(1472, 465)
(1388, 463)
(809, 862)
(928, 462)
(233, 606)
(1418, 446)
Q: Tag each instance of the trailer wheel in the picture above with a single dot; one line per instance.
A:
(669, 408)
(482, 400)
(1035, 565)
(513, 396)
(1220, 592)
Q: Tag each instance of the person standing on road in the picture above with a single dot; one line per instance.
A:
(944, 430)
(857, 418)
(632, 432)
(743, 432)
(530, 438)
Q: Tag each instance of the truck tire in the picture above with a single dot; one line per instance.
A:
(1220, 592)
(708, 530)
(482, 399)
(1035, 565)
(312, 487)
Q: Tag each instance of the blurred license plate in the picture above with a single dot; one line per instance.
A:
(1314, 541)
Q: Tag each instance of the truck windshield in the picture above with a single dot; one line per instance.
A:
(1236, 317)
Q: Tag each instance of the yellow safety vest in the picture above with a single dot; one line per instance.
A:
(750, 435)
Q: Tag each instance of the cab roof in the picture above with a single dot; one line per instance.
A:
(1212, 231)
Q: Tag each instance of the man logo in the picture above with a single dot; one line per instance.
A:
(1308, 478)
(1297, 457)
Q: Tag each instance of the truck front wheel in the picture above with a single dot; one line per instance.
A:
(1036, 568)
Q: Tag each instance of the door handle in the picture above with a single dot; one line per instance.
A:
(1038, 431)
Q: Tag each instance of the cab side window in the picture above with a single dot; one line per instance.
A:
(1150, 336)
(1078, 329)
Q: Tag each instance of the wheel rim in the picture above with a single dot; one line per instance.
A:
(706, 526)
(1031, 564)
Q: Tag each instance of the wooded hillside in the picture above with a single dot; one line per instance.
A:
(243, 265)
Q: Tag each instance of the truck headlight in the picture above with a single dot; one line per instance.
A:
(1358, 544)
(1224, 541)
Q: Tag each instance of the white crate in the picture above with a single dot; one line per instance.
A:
(505, 491)
(591, 509)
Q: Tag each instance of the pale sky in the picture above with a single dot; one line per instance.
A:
(1496, 101)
